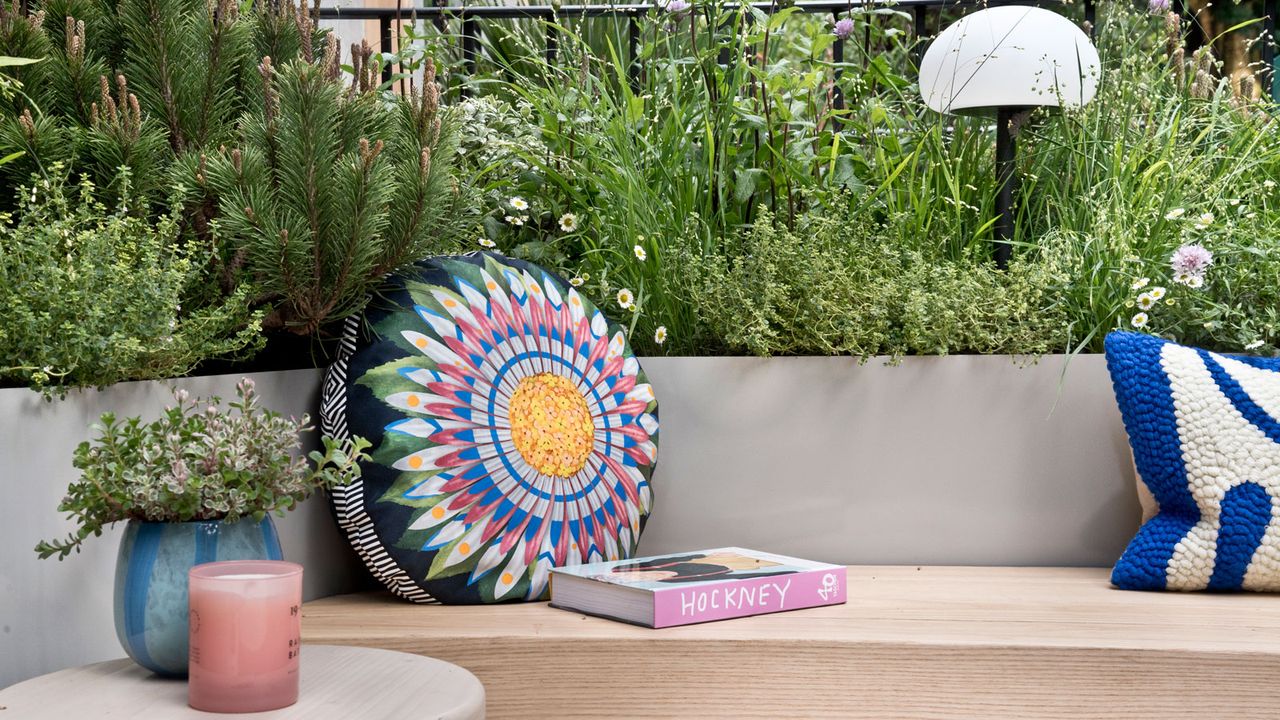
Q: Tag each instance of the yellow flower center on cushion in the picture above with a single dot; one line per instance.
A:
(551, 425)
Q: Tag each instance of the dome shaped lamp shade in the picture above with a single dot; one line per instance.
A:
(1009, 56)
(1008, 59)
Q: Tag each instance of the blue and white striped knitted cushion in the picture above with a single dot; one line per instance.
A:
(1205, 432)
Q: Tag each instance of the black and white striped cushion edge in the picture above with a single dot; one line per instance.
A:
(348, 500)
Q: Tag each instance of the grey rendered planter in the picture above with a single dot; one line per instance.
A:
(953, 460)
(965, 460)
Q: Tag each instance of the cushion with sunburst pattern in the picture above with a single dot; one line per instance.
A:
(513, 431)
(1205, 432)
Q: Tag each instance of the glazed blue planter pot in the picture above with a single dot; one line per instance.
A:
(151, 581)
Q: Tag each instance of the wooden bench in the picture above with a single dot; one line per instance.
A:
(912, 642)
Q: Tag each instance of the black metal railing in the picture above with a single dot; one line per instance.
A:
(471, 16)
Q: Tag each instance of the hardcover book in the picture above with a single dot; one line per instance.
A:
(696, 587)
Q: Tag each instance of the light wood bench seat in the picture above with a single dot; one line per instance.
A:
(928, 642)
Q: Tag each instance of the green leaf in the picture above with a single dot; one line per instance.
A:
(745, 182)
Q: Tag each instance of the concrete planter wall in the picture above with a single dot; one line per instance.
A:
(57, 614)
(964, 460)
(955, 460)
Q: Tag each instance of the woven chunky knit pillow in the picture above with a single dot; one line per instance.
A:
(513, 432)
(1205, 432)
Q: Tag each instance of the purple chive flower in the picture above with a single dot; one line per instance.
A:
(844, 27)
(1191, 259)
(1158, 7)
(675, 7)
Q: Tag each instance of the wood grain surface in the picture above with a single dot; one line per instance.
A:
(336, 682)
(928, 642)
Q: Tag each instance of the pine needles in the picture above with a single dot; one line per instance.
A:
(303, 186)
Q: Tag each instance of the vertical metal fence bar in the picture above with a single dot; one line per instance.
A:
(837, 59)
(470, 43)
(553, 41)
(1270, 67)
(439, 19)
(633, 45)
(920, 30)
(1194, 37)
(384, 44)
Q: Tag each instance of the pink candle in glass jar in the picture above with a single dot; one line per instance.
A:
(246, 635)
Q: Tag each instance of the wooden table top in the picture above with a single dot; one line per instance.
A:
(336, 682)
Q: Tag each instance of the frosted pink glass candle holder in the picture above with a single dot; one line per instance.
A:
(246, 635)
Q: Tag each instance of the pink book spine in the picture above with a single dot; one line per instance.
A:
(755, 596)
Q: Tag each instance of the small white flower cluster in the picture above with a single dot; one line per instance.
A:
(1189, 264)
(1202, 222)
(1146, 301)
(518, 204)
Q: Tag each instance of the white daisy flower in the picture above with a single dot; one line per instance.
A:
(1175, 213)
(518, 203)
(516, 220)
(1254, 345)
(568, 222)
(1205, 220)
(1139, 283)
(626, 299)
(1183, 278)
(1157, 293)
(660, 335)
(486, 242)
(640, 254)
(1196, 282)
(1268, 184)
(577, 282)
(1139, 320)
(1145, 301)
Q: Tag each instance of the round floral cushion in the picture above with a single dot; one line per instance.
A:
(513, 431)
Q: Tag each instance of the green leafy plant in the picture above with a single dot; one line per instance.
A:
(94, 295)
(664, 169)
(329, 188)
(198, 461)
(139, 83)
(299, 190)
(777, 289)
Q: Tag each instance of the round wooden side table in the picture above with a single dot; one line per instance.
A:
(336, 682)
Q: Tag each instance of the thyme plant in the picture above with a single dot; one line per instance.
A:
(198, 461)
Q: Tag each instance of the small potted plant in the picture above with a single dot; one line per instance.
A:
(197, 485)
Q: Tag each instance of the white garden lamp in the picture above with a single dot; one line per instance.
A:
(1008, 59)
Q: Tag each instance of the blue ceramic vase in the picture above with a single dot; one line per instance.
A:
(151, 581)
